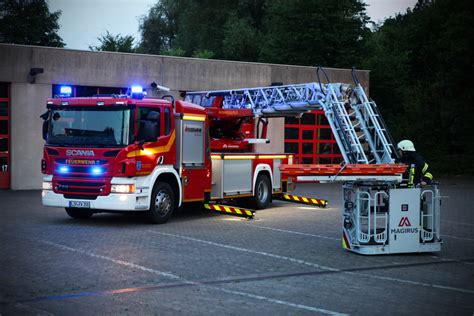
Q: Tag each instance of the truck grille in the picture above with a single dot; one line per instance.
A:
(84, 188)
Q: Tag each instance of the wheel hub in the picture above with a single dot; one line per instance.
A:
(262, 191)
(162, 203)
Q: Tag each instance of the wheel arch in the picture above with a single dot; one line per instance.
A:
(170, 176)
(264, 169)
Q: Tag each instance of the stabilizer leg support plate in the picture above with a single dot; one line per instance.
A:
(303, 200)
(230, 210)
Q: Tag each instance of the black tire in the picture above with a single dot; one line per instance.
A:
(79, 213)
(263, 192)
(162, 203)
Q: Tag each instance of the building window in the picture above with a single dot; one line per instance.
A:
(4, 136)
(311, 140)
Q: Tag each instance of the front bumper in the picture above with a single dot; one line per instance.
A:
(115, 202)
(137, 201)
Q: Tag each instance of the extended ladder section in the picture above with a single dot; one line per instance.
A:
(344, 130)
(265, 101)
(375, 131)
(356, 123)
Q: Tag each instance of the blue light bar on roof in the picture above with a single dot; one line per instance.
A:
(65, 90)
(137, 92)
(137, 89)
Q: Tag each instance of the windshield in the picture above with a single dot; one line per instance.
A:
(89, 127)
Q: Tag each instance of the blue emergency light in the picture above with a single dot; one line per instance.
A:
(137, 89)
(65, 91)
(137, 92)
(63, 169)
(97, 170)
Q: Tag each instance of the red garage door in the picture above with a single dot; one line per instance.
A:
(311, 140)
(4, 135)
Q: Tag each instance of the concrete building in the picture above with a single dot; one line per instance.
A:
(29, 75)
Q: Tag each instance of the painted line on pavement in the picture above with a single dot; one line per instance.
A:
(299, 261)
(294, 232)
(456, 223)
(234, 280)
(185, 281)
(267, 254)
(314, 208)
(339, 239)
(117, 261)
(453, 260)
(271, 300)
(456, 237)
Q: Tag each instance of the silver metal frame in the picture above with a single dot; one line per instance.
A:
(368, 236)
(352, 117)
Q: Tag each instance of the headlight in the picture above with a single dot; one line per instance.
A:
(122, 188)
(47, 185)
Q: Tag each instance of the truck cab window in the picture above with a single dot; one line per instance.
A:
(167, 120)
(148, 124)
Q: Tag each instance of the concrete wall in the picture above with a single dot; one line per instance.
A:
(26, 140)
(107, 69)
(276, 134)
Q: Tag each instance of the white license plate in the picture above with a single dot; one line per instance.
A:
(79, 204)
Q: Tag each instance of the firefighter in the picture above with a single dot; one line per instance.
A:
(419, 169)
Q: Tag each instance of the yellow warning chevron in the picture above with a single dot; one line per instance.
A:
(230, 210)
(304, 200)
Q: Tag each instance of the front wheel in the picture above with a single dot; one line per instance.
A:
(263, 192)
(79, 213)
(162, 203)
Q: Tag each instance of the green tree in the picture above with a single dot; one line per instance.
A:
(241, 40)
(29, 23)
(309, 32)
(205, 54)
(204, 28)
(159, 27)
(200, 26)
(115, 43)
(421, 63)
(173, 52)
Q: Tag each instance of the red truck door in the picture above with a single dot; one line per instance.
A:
(159, 146)
(195, 157)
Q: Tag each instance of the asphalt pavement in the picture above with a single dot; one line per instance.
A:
(288, 260)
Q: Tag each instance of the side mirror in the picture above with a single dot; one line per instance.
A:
(45, 117)
(140, 144)
(45, 130)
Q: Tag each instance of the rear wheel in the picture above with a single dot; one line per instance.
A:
(263, 192)
(162, 203)
(79, 213)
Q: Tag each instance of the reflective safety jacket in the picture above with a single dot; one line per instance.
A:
(419, 169)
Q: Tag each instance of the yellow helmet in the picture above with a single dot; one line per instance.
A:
(406, 145)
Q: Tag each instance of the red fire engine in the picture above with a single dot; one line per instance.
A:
(130, 153)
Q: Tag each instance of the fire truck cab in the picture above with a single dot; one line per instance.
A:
(129, 153)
